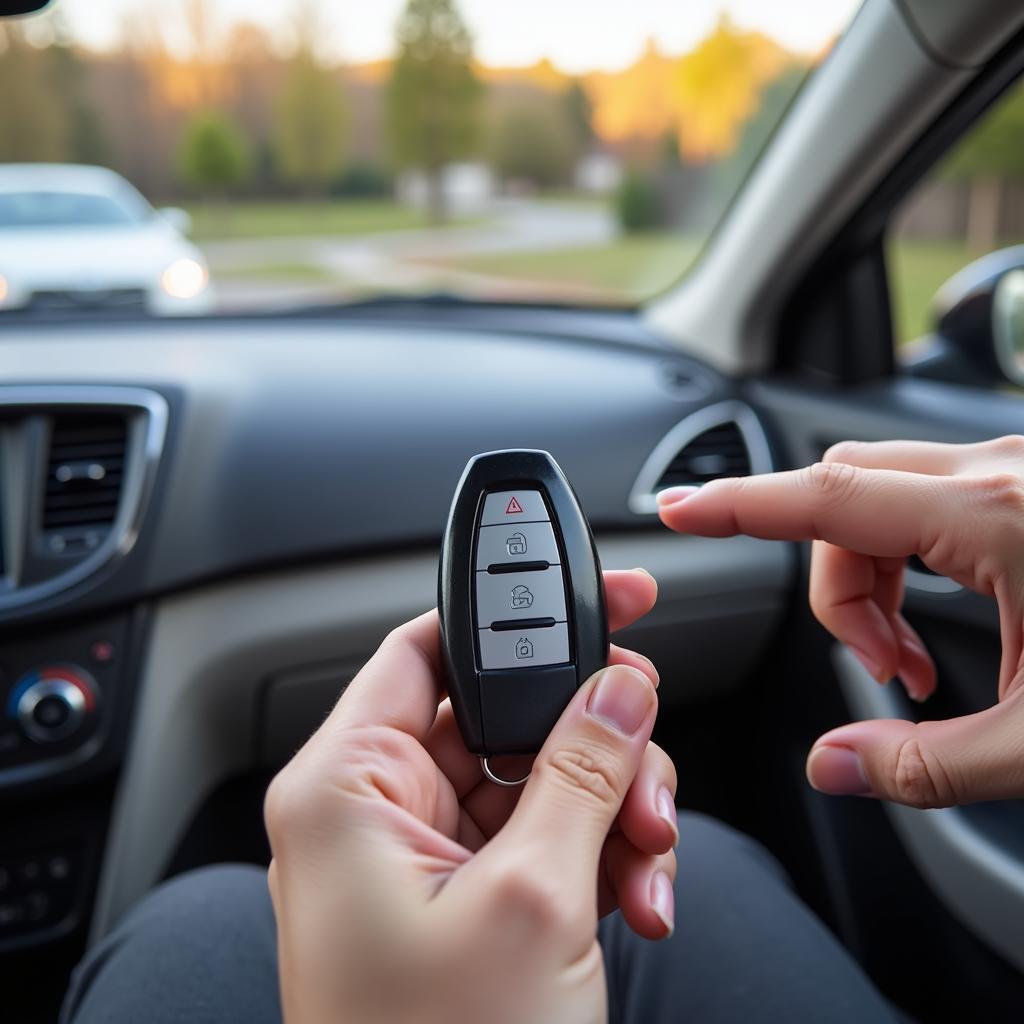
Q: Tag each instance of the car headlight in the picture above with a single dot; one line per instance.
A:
(184, 279)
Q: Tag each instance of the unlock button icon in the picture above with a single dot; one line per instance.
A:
(516, 544)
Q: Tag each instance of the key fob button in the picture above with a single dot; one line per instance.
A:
(519, 595)
(524, 648)
(507, 545)
(504, 507)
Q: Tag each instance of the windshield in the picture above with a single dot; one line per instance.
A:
(316, 152)
(62, 209)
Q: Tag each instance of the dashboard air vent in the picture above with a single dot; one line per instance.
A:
(721, 440)
(718, 452)
(84, 474)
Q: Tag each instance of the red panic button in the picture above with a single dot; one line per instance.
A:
(521, 506)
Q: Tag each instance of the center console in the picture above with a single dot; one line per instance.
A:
(77, 466)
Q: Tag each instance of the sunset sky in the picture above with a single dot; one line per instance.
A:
(578, 35)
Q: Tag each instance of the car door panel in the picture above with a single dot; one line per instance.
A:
(971, 857)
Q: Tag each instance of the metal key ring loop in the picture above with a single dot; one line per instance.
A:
(497, 779)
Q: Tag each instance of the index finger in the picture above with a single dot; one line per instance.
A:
(878, 512)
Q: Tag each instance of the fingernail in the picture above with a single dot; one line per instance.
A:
(646, 572)
(655, 675)
(622, 698)
(868, 662)
(908, 643)
(663, 901)
(671, 495)
(838, 771)
(666, 808)
(911, 673)
(911, 687)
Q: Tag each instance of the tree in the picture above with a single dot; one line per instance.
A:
(532, 141)
(86, 139)
(579, 113)
(716, 88)
(311, 124)
(214, 154)
(433, 95)
(990, 155)
(33, 117)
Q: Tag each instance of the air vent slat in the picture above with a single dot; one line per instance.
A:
(84, 472)
(106, 496)
(715, 453)
(101, 449)
(102, 516)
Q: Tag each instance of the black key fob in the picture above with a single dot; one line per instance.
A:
(521, 598)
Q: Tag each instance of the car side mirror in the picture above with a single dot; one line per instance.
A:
(179, 219)
(1008, 324)
(978, 332)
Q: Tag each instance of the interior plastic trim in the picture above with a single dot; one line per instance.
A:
(854, 121)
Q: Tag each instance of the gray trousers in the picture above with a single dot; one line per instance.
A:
(201, 948)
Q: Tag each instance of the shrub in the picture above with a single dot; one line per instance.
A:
(637, 203)
(214, 154)
(363, 181)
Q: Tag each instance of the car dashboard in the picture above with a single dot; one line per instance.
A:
(208, 526)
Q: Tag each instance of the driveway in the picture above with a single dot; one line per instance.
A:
(402, 260)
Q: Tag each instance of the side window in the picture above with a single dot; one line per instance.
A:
(970, 206)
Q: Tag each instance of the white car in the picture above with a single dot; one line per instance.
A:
(73, 236)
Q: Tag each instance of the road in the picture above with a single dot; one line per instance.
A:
(404, 261)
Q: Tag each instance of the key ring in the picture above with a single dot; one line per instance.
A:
(497, 779)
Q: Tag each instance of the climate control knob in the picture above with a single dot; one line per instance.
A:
(52, 703)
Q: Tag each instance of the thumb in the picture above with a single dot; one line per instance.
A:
(581, 777)
(927, 764)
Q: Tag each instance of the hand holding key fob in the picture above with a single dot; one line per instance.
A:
(521, 600)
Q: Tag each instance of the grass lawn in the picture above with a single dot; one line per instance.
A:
(296, 272)
(283, 218)
(917, 269)
(626, 270)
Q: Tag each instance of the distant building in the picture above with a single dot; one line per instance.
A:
(598, 172)
(468, 188)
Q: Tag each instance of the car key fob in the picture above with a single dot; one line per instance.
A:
(521, 599)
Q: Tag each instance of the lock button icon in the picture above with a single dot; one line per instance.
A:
(524, 648)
